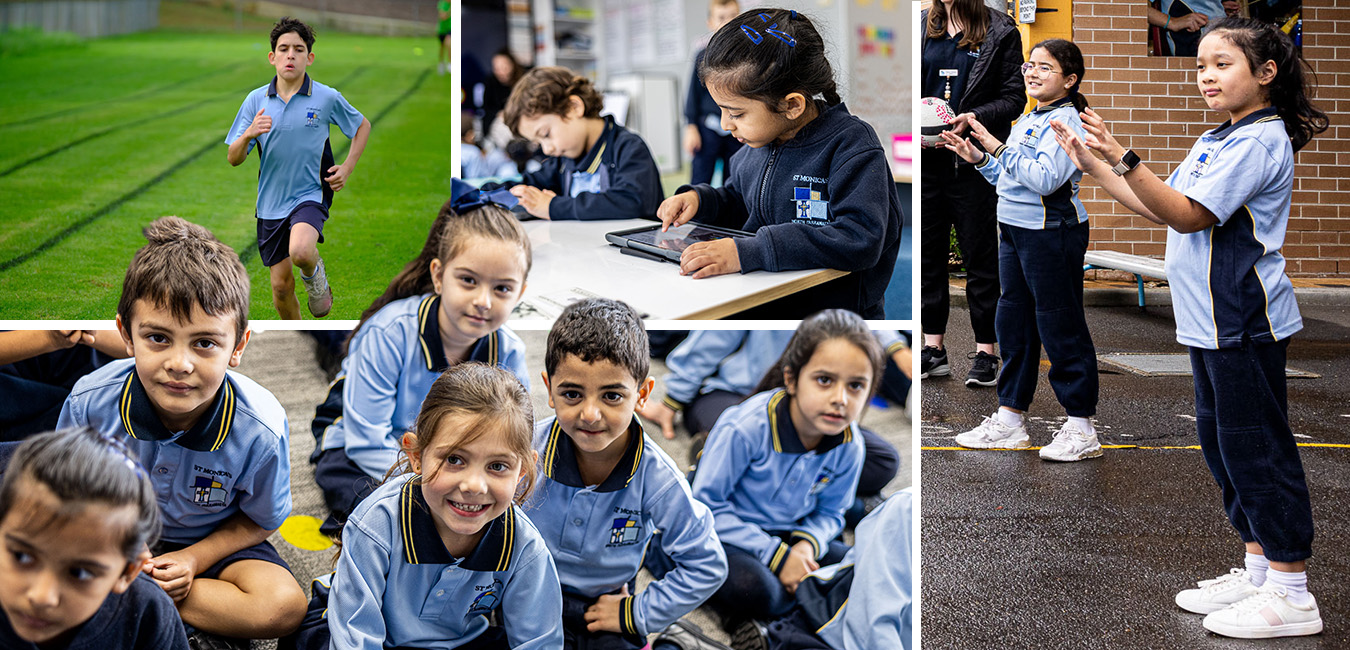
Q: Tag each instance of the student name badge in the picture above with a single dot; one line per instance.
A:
(812, 207)
(949, 72)
(597, 181)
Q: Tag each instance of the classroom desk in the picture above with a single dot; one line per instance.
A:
(572, 260)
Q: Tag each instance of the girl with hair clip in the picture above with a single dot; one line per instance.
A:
(813, 183)
(77, 516)
(447, 306)
(780, 469)
(1043, 235)
(1226, 207)
(971, 56)
(442, 548)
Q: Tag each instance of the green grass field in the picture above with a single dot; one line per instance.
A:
(100, 137)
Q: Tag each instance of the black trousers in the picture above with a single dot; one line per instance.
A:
(960, 197)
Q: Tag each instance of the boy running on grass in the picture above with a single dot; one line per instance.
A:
(288, 119)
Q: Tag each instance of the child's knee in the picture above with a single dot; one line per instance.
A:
(304, 255)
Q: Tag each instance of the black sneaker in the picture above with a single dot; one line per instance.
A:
(199, 640)
(933, 362)
(750, 635)
(983, 370)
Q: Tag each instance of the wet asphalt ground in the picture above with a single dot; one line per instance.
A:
(1022, 553)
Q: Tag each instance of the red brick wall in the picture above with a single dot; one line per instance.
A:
(1152, 104)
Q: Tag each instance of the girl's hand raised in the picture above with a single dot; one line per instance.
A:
(982, 135)
(1099, 139)
(961, 146)
(1073, 145)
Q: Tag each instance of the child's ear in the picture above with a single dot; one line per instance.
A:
(645, 391)
(125, 330)
(435, 269)
(789, 380)
(129, 573)
(1266, 73)
(1070, 80)
(547, 389)
(793, 105)
(409, 443)
(576, 109)
(238, 354)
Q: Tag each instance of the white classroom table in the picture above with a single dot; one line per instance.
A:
(572, 260)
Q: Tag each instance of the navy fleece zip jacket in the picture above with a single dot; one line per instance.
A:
(616, 179)
(825, 198)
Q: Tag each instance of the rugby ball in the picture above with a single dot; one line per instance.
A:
(935, 116)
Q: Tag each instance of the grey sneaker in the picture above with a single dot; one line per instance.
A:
(1070, 445)
(992, 434)
(686, 636)
(1266, 614)
(983, 370)
(1214, 595)
(320, 294)
(750, 635)
(933, 362)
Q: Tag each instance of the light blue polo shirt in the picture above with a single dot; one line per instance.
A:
(294, 150)
(758, 478)
(396, 585)
(390, 366)
(598, 534)
(1228, 280)
(879, 612)
(1037, 182)
(235, 459)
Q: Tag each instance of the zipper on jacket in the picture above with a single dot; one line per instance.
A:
(764, 181)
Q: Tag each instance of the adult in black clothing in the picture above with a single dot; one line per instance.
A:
(972, 58)
(506, 71)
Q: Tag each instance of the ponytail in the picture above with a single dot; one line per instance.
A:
(1070, 60)
(1294, 79)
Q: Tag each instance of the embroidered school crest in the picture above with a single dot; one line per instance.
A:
(822, 480)
(208, 492)
(486, 601)
(624, 532)
(1200, 164)
(812, 206)
(312, 117)
(1030, 137)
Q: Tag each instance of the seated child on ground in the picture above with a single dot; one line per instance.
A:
(446, 306)
(213, 441)
(596, 169)
(607, 488)
(76, 513)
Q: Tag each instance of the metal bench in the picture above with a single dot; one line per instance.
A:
(1137, 265)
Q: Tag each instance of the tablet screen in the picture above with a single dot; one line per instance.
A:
(678, 238)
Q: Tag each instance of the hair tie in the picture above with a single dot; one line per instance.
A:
(465, 197)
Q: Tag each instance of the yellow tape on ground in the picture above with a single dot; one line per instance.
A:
(302, 532)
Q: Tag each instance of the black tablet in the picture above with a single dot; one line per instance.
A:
(671, 243)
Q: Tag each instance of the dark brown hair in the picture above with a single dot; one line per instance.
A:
(545, 91)
(83, 467)
(768, 69)
(600, 329)
(287, 25)
(811, 333)
(1070, 60)
(185, 265)
(496, 401)
(1294, 80)
(973, 16)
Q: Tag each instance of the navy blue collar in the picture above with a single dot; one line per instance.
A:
(560, 459)
(306, 87)
(141, 422)
(486, 349)
(423, 545)
(1264, 115)
(1066, 100)
(786, 440)
(592, 159)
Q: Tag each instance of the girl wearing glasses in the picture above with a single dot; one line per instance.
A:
(1043, 232)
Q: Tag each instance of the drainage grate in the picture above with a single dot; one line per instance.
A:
(1169, 365)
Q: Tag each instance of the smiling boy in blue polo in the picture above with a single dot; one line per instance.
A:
(288, 121)
(213, 441)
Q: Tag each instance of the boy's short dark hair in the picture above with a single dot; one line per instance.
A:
(600, 329)
(185, 265)
(287, 25)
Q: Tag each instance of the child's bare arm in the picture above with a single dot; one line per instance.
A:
(338, 174)
(239, 148)
(175, 571)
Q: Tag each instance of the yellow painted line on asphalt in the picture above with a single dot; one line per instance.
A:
(1193, 447)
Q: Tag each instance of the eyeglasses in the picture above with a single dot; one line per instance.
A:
(1041, 68)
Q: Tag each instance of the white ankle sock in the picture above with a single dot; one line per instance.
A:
(1256, 568)
(1083, 424)
(1295, 585)
(1008, 418)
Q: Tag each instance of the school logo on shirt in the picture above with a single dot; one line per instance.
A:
(1200, 164)
(624, 532)
(812, 204)
(312, 117)
(208, 492)
(822, 480)
(1031, 136)
(487, 600)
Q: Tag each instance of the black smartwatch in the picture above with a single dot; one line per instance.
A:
(1127, 162)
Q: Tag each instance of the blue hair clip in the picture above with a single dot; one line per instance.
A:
(756, 38)
(465, 197)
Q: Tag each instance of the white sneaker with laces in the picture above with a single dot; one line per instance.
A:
(992, 434)
(1266, 614)
(319, 291)
(1070, 445)
(1214, 595)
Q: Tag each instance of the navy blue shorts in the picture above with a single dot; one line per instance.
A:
(274, 235)
(262, 551)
